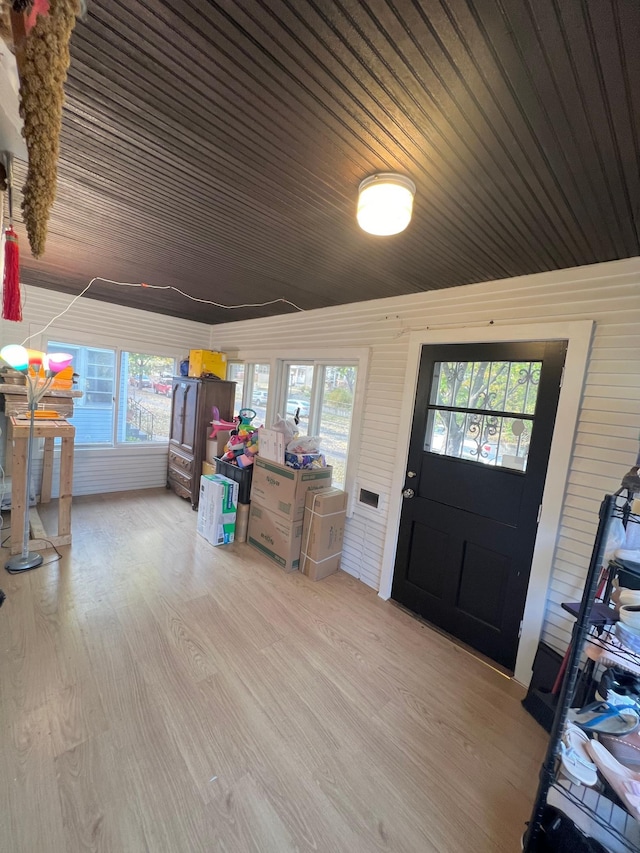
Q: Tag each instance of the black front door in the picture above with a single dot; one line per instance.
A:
(480, 442)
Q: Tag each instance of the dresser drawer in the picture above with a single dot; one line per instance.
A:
(180, 490)
(180, 462)
(182, 478)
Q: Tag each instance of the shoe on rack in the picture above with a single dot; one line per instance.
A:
(625, 782)
(625, 749)
(575, 761)
(606, 718)
(619, 687)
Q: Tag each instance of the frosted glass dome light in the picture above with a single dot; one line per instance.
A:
(385, 203)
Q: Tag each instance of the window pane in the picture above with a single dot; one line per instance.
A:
(510, 386)
(498, 441)
(94, 411)
(260, 390)
(235, 373)
(336, 411)
(299, 384)
(489, 386)
(145, 397)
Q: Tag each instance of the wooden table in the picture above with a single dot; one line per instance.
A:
(17, 442)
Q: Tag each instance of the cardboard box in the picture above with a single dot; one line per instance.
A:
(283, 490)
(215, 446)
(271, 445)
(208, 468)
(206, 361)
(275, 536)
(217, 509)
(323, 533)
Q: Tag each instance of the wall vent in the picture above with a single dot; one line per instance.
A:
(369, 498)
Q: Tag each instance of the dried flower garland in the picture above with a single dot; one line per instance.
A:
(42, 64)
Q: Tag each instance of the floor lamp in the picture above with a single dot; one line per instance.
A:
(21, 359)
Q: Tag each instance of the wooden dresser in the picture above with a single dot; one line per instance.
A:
(193, 400)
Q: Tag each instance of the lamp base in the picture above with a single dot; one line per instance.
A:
(19, 563)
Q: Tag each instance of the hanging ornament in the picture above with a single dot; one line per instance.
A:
(11, 300)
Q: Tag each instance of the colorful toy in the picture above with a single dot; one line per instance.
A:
(250, 449)
(219, 425)
(245, 417)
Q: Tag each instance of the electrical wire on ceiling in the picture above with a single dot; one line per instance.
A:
(160, 287)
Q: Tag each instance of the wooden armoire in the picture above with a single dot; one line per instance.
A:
(191, 414)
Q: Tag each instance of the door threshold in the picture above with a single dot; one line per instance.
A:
(474, 653)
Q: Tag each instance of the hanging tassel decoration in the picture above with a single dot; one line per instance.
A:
(11, 301)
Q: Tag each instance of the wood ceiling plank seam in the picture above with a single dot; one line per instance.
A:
(291, 93)
(600, 222)
(458, 207)
(160, 211)
(518, 35)
(505, 270)
(162, 201)
(190, 255)
(246, 126)
(228, 162)
(475, 246)
(620, 229)
(557, 224)
(632, 209)
(630, 62)
(565, 73)
(261, 277)
(215, 185)
(488, 210)
(526, 99)
(234, 292)
(499, 137)
(89, 95)
(215, 316)
(516, 211)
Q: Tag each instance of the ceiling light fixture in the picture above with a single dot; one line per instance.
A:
(385, 202)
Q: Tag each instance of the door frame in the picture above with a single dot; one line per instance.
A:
(578, 335)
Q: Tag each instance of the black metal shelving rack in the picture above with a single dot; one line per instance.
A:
(621, 828)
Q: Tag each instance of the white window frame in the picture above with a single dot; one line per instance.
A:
(118, 346)
(278, 365)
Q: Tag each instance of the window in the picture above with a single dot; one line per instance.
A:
(252, 387)
(258, 392)
(146, 395)
(335, 417)
(235, 373)
(483, 411)
(94, 411)
(323, 394)
(299, 384)
(133, 405)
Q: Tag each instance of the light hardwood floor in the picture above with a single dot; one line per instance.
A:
(162, 695)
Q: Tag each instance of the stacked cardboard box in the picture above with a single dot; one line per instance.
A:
(277, 507)
(217, 509)
(322, 533)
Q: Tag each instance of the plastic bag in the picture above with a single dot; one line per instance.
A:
(304, 444)
(286, 426)
(615, 539)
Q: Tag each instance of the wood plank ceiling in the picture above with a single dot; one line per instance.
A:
(218, 147)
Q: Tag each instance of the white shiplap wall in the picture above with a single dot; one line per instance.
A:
(606, 441)
(106, 469)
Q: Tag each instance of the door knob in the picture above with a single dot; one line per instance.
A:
(408, 493)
